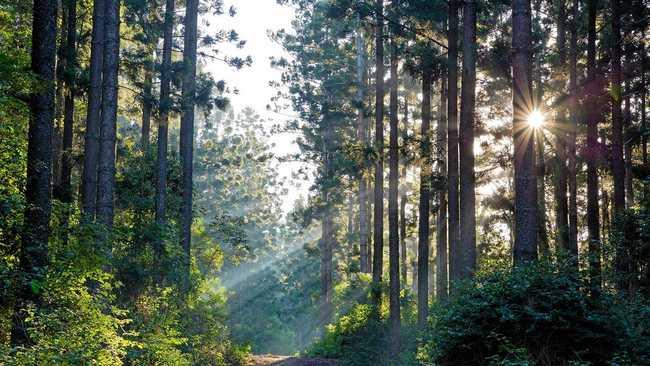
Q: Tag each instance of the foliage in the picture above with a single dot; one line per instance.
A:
(537, 315)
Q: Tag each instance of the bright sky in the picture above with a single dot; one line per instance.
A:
(253, 21)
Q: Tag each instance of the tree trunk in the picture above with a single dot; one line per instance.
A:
(326, 246)
(455, 264)
(466, 143)
(187, 131)
(362, 136)
(593, 224)
(402, 199)
(542, 234)
(106, 173)
(378, 230)
(146, 107)
(393, 182)
(526, 221)
(163, 122)
(561, 137)
(33, 254)
(441, 219)
(573, 130)
(425, 199)
(93, 114)
(618, 165)
(629, 181)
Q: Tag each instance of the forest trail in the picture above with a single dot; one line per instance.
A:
(275, 360)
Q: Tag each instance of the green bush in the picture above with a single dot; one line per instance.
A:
(538, 315)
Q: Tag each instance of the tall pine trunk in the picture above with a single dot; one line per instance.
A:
(402, 188)
(362, 136)
(393, 183)
(187, 132)
(425, 199)
(106, 172)
(616, 94)
(466, 143)
(441, 218)
(526, 222)
(593, 222)
(326, 241)
(147, 98)
(33, 254)
(455, 264)
(378, 230)
(93, 114)
(573, 130)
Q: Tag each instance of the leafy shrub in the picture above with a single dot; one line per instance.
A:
(538, 315)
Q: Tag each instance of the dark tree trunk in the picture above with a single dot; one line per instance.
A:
(378, 230)
(33, 253)
(163, 122)
(326, 245)
(592, 114)
(526, 221)
(425, 199)
(402, 199)
(147, 97)
(466, 143)
(106, 172)
(618, 165)
(573, 130)
(629, 179)
(393, 209)
(455, 264)
(362, 136)
(93, 114)
(187, 132)
(441, 218)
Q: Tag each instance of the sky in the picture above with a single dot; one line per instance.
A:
(253, 20)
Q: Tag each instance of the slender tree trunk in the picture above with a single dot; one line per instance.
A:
(466, 143)
(146, 107)
(187, 131)
(106, 172)
(561, 138)
(573, 130)
(526, 221)
(593, 224)
(542, 234)
(455, 264)
(378, 231)
(402, 199)
(393, 183)
(604, 216)
(163, 122)
(93, 114)
(326, 247)
(59, 101)
(33, 254)
(441, 220)
(629, 182)
(361, 135)
(425, 199)
(618, 165)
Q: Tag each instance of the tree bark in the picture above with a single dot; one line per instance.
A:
(33, 254)
(378, 230)
(455, 264)
(466, 143)
(326, 245)
(187, 132)
(441, 219)
(571, 147)
(616, 94)
(526, 221)
(106, 172)
(93, 114)
(593, 222)
(425, 199)
(393, 209)
(402, 188)
(362, 136)
(146, 107)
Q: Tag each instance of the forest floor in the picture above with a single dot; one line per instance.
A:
(275, 360)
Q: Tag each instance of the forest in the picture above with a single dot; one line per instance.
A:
(428, 182)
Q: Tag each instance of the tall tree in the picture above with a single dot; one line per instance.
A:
(525, 246)
(592, 114)
(573, 130)
(93, 114)
(68, 114)
(616, 95)
(466, 143)
(402, 189)
(33, 255)
(362, 136)
(147, 98)
(378, 230)
(452, 144)
(393, 183)
(425, 199)
(187, 130)
(165, 106)
(441, 218)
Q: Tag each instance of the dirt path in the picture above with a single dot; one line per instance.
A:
(275, 360)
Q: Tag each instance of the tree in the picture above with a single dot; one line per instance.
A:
(452, 145)
(616, 94)
(525, 246)
(93, 114)
(378, 230)
(466, 144)
(68, 119)
(362, 136)
(33, 255)
(442, 275)
(573, 130)
(187, 132)
(107, 136)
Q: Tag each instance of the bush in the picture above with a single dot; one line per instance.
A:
(538, 315)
